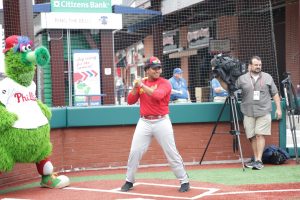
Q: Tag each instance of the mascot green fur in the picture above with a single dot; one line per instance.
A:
(24, 120)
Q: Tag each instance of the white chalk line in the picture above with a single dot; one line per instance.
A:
(209, 192)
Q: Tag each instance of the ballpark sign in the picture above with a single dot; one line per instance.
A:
(78, 21)
(87, 6)
(86, 78)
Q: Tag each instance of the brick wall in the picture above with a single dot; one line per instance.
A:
(97, 147)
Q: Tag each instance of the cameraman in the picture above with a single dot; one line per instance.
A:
(257, 90)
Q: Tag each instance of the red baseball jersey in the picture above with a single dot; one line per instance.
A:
(158, 102)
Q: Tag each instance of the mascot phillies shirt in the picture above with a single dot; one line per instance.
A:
(23, 102)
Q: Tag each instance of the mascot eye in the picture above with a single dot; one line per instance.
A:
(28, 47)
(23, 49)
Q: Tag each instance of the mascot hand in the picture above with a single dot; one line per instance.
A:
(45, 109)
(7, 119)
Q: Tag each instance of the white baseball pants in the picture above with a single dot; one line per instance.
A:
(162, 130)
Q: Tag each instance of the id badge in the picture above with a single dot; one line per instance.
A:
(256, 95)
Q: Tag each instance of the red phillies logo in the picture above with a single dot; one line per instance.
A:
(23, 98)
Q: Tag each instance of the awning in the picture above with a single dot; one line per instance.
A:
(137, 18)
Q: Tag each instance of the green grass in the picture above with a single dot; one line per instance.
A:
(236, 176)
(226, 176)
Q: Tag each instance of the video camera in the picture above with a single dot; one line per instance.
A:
(228, 69)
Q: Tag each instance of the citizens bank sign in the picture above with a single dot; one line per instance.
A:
(90, 6)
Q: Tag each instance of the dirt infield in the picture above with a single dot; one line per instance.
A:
(157, 189)
(154, 189)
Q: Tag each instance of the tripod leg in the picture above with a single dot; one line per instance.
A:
(233, 104)
(294, 135)
(241, 153)
(287, 89)
(239, 115)
(235, 144)
(233, 128)
(214, 130)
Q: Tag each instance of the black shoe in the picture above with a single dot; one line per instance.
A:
(127, 186)
(258, 165)
(184, 187)
(250, 164)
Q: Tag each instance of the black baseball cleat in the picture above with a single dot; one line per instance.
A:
(184, 187)
(127, 186)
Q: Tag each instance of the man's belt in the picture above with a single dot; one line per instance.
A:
(152, 117)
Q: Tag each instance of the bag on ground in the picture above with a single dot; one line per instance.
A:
(274, 155)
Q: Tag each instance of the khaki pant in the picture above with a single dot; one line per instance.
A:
(257, 125)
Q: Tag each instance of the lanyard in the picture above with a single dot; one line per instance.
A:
(260, 82)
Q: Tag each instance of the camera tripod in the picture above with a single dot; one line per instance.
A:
(292, 108)
(231, 100)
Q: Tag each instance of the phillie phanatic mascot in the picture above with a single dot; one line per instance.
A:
(24, 120)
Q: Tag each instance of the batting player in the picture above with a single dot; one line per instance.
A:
(154, 94)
